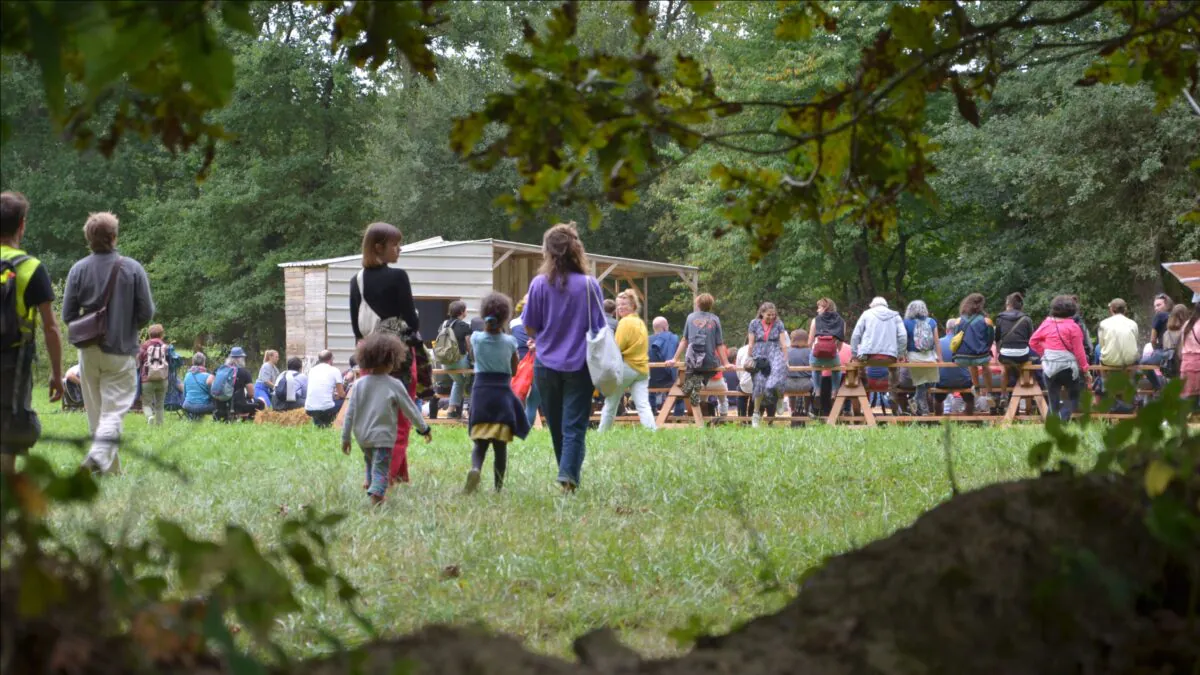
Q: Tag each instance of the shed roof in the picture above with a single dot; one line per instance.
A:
(643, 267)
(1188, 273)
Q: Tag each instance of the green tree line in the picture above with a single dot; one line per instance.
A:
(1057, 188)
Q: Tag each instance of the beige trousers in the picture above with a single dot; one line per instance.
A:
(109, 387)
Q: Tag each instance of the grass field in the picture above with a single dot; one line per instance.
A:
(667, 528)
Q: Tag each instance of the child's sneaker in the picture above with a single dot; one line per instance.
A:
(472, 481)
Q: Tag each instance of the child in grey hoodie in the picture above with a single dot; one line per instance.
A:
(372, 410)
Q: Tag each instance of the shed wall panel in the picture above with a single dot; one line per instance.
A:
(456, 272)
(293, 292)
(314, 310)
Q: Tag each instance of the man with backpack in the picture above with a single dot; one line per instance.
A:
(106, 303)
(25, 296)
(154, 366)
(290, 389)
(452, 349)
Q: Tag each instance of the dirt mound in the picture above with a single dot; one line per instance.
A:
(1051, 575)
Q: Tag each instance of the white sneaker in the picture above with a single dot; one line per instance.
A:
(755, 420)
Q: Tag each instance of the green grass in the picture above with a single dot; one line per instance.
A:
(666, 527)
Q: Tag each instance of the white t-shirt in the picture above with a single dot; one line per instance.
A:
(323, 380)
(73, 370)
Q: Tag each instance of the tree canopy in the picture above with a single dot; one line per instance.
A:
(791, 149)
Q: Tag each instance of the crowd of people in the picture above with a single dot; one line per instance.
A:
(108, 302)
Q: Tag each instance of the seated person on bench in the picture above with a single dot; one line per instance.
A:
(953, 378)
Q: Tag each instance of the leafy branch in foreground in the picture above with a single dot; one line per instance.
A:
(848, 151)
(220, 587)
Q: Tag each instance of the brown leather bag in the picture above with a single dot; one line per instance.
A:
(91, 328)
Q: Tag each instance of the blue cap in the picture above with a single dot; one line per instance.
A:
(237, 353)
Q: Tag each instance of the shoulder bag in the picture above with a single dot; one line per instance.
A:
(604, 359)
(91, 328)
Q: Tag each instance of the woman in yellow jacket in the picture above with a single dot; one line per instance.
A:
(634, 343)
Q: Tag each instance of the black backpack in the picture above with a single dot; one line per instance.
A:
(10, 321)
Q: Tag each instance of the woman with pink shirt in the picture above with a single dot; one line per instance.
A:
(1189, 347)
(1064, 361)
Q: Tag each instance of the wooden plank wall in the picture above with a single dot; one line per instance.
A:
(314, 310)
(513, 276)
(293, 300)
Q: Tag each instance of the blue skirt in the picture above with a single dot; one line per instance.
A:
(494, 403)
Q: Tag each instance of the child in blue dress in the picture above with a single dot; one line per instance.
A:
(496, 414)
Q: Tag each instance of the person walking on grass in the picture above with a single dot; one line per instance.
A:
(381, 300)
(375, 404)
(634, 343)
(29, 295)
(268, 373)
(108, 365)
(564, 304)
(496, 414)
(154, 365)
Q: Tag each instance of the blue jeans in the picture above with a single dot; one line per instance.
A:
(458, 390)
(567, 406)
(198, 409)
(826, 403)
(532, 402)
(379, 461)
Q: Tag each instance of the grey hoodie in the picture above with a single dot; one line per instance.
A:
(879, 331)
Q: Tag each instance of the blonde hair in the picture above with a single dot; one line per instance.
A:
(631, 296)
(156, 331)
(100, 230)
(268, 354)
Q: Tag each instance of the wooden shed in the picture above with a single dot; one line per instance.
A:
(317, 292)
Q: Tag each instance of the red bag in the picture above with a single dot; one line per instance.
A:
(522, 381)
(825, 347)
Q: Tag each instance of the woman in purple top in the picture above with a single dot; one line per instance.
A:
(558, 315)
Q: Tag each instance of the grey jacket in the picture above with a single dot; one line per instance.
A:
(879, 331)
(131, 308)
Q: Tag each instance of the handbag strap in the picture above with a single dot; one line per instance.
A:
(587, 280)
(112, 281)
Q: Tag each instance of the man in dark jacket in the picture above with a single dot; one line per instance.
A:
(109, 368)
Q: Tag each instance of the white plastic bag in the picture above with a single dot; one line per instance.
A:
(604, 360)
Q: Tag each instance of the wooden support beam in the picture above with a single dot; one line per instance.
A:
(507, 254)
(604, 275)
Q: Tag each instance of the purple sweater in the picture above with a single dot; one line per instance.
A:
(559, 317)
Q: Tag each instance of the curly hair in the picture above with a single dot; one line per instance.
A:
(562, 254)
(495, 310)
(972, 304)
(379, 350)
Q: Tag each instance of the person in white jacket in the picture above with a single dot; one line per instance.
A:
(879, 337)
(879, 332)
